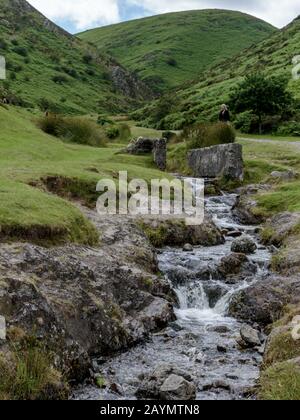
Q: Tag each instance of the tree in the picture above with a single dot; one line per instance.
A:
(264, 96)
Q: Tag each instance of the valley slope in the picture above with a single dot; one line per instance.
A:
(46, 65)
(167, 50)
(200, 99)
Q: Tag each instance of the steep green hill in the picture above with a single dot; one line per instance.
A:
(45, 63)
(201, 98)
(169, 49)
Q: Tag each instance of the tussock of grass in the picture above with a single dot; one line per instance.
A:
(73, 129)
(280, 382)
(26, 373)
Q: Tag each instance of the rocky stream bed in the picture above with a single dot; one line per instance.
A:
(205, 353)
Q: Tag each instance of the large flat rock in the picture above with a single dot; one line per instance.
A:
(225, 160)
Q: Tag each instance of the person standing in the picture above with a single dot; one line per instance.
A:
(224, 115)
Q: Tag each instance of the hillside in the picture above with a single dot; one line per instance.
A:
(45, 63)
(200, 100)
(170, 49)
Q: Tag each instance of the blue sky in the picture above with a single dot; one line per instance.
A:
(79, 15)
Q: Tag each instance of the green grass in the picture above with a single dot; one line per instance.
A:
(167, 50)
(137, 131)
(268, 137)
(200, 99)
(280, 382)
(87, 84)
(28, 155)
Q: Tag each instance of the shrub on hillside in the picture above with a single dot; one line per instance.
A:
(112, 132)
(73, 129)
(21, 51)
(246, 122)
(60, 79)
(124, 132)
(291, 128)
(205, 135)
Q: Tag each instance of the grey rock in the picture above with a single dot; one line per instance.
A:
(264, 301)
(188, 248)
(244, 245)
(217, 385)
(167, 382)
(177, 388)
(236, 267)
(225, 160)
(221, 349)
(160, 154)
(246, 203)
(2, 328)
(284, 175)
(234, 234)
(141, 146)
(250, 336)
(92, 300)
(158, 147)
(220, 329)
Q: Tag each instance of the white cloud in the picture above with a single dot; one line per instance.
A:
(90, 13)
(276, 12)
(82, 13)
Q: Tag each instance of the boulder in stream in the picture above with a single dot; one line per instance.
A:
(167, 382)
(236, 266)
(244, 245)
(250, 336)
(263, 302)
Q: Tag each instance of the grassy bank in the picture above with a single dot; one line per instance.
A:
(28, 157)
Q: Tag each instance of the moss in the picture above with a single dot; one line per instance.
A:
(100, 382)
(267, 234)
(157, 236)
(280, 382)
(148, 282)
(278, 261)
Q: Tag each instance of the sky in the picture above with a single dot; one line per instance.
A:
(79, 15)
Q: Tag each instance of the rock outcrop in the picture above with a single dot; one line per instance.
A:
(175, 232)
(85, 301)
(264, 302)
(225, 160)
(158, 147)
(246, 205)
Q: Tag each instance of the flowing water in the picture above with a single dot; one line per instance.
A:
(202, 341)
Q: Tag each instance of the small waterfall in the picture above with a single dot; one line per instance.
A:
(192, 296)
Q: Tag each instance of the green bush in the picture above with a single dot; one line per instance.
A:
(60, 79)
(73, 129)
(173, 122)
(205, 135)
(291, 128)
(104, 120)
(112, 132)
(21, 51)
(124, 132)
(246, 122)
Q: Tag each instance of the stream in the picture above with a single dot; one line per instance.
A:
(202, 341)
